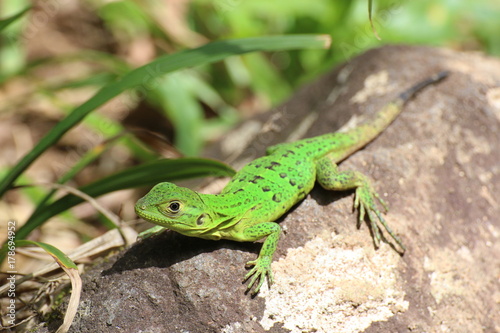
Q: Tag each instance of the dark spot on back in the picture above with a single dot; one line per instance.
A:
(255, 178)
(273, 164)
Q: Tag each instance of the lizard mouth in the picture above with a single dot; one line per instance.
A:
(143, 210)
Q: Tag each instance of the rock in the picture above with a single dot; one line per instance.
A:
(438, 167)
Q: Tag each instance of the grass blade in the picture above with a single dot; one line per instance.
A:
(71, 270)
(88, 158)
(370, 18)
(54, 252)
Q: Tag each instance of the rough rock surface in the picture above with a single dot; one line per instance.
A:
(438, 167)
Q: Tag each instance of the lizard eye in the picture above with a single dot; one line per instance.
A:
(174, 207)
(171, 209)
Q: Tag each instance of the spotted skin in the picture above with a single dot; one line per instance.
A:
(269, 186)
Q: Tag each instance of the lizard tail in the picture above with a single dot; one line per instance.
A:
(368, 131)
(406, 95)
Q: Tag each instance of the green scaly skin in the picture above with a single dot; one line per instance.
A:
(269, 186)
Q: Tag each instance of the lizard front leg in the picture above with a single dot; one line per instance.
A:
(262, 265)
(330, 178)
(151, 231)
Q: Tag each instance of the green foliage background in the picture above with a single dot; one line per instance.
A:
(271, 78)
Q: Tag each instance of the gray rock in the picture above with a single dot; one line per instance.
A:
(438, 167)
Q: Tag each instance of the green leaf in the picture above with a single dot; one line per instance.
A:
(147, 174)
(144, 78)
(6, 22)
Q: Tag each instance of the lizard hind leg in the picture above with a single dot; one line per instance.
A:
(331, 178)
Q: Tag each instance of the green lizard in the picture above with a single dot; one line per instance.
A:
(269, 186)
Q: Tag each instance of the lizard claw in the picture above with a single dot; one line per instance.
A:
(364, 201)
(261, 269)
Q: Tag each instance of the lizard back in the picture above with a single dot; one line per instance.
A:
(272, 184)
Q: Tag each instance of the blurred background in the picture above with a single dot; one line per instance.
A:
(61, 52)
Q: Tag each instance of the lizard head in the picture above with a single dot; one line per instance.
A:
(175, 208)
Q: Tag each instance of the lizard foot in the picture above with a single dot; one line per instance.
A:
(364, 202)
(261, 269)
